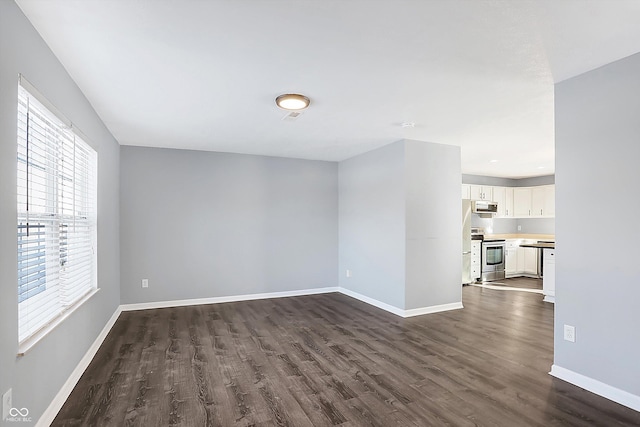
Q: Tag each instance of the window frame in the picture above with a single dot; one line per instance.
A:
(66, 209)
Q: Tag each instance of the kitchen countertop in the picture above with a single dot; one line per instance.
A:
(539, 245)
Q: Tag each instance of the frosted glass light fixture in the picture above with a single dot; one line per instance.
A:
(292, 101)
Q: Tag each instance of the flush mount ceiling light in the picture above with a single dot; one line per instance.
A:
(292, 102)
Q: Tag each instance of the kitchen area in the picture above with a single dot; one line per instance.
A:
(509, 234)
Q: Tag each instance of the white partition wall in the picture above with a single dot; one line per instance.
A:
(597, 275)
(400, 227)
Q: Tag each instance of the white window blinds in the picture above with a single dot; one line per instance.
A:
(57, 196)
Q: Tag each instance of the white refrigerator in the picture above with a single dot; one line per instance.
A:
(466, 242)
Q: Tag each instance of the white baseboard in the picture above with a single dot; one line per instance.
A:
(605, 390)
(432, 309)
(374, 302)
(56, 404)
(398, 311)
(231, 298)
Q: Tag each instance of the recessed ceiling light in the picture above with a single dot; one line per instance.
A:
(292, 101)
(542, 167)
(408, 124)
(493, 161)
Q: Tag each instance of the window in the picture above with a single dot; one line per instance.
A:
(57, 174)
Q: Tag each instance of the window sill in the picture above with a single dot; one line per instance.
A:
(30, 342)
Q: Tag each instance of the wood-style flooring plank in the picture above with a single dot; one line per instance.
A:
(329, 360)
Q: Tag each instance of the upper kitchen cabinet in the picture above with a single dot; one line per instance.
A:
(522, 202)
(481, 192)
(466, 191)
(534, 202)
(543, 201)
(503, 196)
(516, 202)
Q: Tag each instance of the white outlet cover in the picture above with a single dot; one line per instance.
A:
(6, 404)
(569, 333)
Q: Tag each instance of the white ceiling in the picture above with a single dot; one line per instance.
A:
(203, 75)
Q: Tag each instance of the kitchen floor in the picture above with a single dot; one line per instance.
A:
(520, 282)
(526, 284)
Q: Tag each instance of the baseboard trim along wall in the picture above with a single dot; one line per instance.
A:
(432, 309)
(374, 302)
(398, 311)
(54, 407)
(594, 386)
(231, 298)
(56, 404)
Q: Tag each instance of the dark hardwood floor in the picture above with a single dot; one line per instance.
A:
(331, 360)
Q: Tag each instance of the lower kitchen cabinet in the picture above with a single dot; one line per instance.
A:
(476, 266)
(511, 258)
(528, 261)
(549, 275)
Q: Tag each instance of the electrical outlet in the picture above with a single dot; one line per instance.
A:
(570, 333)
(6, 404)
(145, 283)
(519, 228)
(348, 274)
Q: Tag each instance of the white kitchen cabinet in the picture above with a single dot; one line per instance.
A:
(550, 201)
(527, 260)
(503, 196)
(466, 191)
(537, 201)
(508, 203)
(549, 275)
(476, 266)
(511, 257)
(543, 201)
(481, 192)
(530, 261)
(522, 202)
(516, 202)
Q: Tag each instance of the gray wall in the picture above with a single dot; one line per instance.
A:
(536, 225)
(372, 224)
(38, 376)
(510, 225)
(433, 218)
(508, 182)
(202, 224)
(597, 275)
(400, 250)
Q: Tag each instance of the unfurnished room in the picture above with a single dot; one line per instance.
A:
(319, 212)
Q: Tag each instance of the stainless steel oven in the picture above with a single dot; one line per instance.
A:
(493, 253)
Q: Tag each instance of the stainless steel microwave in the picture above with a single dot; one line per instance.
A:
(484, 207)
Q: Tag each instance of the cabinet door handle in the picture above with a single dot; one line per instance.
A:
(540, 211)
